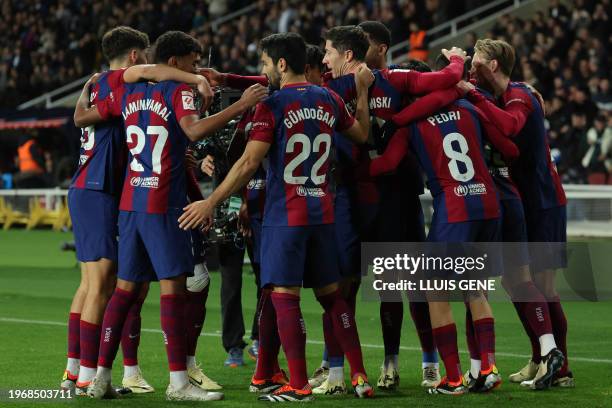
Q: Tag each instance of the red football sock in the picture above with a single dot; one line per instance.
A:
(445, 338)
(559, 324)
(536, 309)
(195, 313)
(345, 329)
(90, 344)
(470, 334)
(485, 335)
(269, 341)
(130, 335)
(114, 318)
(292, 331)
(334, 349)
(391, 319)
(74, 350)
(419, 311)
(533, 339)
(172, 309)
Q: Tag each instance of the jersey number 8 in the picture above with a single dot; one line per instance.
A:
(457, 157)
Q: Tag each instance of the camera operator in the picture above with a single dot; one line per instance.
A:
(231, 261)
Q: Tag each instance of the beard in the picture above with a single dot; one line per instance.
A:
(273, 80)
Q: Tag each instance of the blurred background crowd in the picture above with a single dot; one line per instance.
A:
(564, 52)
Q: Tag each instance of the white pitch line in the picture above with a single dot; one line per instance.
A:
(318, 342)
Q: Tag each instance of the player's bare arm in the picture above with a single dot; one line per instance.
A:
(196, 129)
(84, 115)
(161, 72)
(358, 133)
(200, 212)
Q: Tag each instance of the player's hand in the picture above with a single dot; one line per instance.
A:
(214, 77)
(253, 95)
(190, 160)
(198, 214)
(205, 91)
(94, 79)
(364, 77)
(465, 87)
(455, 52)
(208, 165)
(244, 226)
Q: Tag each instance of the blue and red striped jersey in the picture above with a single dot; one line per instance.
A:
(299, 122)
(534, 172)
(498, 167)
(449, 146)
(103, 152)
(255, 190)
(155, 175)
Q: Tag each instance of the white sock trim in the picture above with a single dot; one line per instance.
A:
(73, 365)
(86, 374)
(130, 371)
(475, 367)
(178, 379)
(336, 374)
(104, 373)
(432, 365)
(547, 343)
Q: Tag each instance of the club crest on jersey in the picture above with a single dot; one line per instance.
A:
(309, 191)
(187, 97)
(145, 182)
(470, 189)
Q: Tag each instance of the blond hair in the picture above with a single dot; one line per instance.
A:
(497, 50)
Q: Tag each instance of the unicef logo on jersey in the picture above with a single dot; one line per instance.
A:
(470, 189)
(461, 191)
(135, 181)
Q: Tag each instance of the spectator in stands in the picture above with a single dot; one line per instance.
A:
(419, 48)
(599, 139)
(572, 145)
(32, 164)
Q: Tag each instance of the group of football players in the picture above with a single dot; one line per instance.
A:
(336, 143)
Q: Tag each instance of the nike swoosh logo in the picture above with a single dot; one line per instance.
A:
(197, 326)
(196, 381)
(132, 336)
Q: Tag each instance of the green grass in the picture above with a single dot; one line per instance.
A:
(37, 282)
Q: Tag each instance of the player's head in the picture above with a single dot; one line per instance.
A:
(282, 54)
(314, 68)
(345, 46)
(442, 62)
(125, 46)
(416, 65)
(179, 50)
(379, 38)
(497, 55)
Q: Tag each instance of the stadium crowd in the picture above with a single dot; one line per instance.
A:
(50, 44)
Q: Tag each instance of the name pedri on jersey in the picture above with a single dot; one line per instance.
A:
(103, 152)
(155, 175)
(299, 122)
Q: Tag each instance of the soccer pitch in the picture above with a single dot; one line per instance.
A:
(37, 282)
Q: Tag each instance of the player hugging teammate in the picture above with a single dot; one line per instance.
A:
(344, 152)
